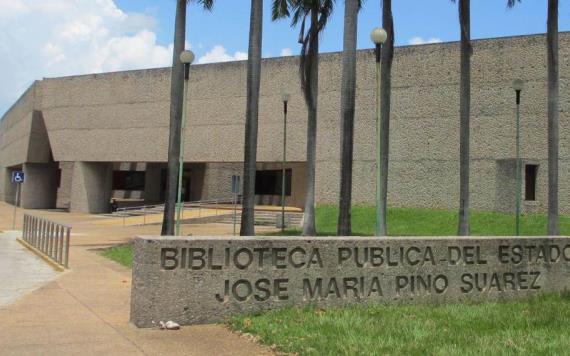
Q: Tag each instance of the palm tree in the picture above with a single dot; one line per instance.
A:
(464, 114)
(553, 114)
(553, 135)
(318, 11)
(386, 92)
(176, 100)
(347, 107)
(252, 108)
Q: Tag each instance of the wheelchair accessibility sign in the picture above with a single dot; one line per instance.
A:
(18, 177)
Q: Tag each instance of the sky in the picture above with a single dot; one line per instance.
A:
(51, 38)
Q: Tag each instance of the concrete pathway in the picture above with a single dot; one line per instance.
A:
(21, 271)
(157, 218)
(86, 310)
(193, 213)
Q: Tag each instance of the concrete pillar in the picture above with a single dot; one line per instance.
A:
(9, 193)
(217, 179)
(91, 187)
(152, 183)
(64, 190)
(40, 188)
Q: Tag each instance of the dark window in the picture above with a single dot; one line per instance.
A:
(128, 180)
(269, 182)
(531, 171)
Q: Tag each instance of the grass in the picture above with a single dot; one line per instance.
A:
(404, 222)
(536, 326)
(430, 222)
(122, 254)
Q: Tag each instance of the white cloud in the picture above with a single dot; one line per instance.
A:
(285, 52)
(419, 40)
(219, 54)
(12, 7)
(52, 38)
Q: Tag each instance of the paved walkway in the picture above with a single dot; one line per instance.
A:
(21, 272)
(86, 310)
(188, 213)
(157, 218)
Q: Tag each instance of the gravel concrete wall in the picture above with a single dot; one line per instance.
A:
(198, 280)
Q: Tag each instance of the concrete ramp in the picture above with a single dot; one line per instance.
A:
(21, 271)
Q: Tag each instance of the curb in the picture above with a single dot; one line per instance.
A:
(56, 266)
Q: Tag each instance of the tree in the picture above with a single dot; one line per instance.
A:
(386, 94)
(347, 108)
(553, 134)
(251, 116)
(464, 114)
(318, 11)
(176, 100)
(553, 113)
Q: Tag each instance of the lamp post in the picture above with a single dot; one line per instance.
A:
(518, 86)
(378, 37)
(285, 98)
(186, 57)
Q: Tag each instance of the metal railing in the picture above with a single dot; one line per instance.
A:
(200, 205)
(143, 211)
(49, 237)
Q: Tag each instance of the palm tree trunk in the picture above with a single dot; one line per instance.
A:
(252, 109)
(311, 95)
(464, 113)
(386, 94)
(553, 135)
(176, 99)
(347, 107)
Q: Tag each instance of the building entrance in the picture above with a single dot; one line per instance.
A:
(186, 185)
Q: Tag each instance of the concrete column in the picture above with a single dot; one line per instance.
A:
(40, 188)
(217, 181)
(64, 190)
(9, 193)
(91, 187)
(3, 174)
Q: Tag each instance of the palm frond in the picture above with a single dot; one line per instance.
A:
(206, 4)
(318, 12)
(326, 10)
(279, 9)
(299, 13)
(512, 3)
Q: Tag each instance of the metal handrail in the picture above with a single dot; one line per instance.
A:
(192, 205)
(49, 237)
(142, 207)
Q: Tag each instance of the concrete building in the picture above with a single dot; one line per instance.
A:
(84, 139)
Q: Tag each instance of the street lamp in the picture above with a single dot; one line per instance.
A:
(285, 96)
(378, 37)
(186, 57)
(518, 86)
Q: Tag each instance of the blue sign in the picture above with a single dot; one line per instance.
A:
(18, 177)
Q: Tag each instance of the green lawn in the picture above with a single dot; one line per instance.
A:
(122, 254)
(405, 222)
(428, 222)
(538, 326)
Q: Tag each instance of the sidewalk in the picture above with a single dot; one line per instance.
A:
(21, 272)
(86, 310)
